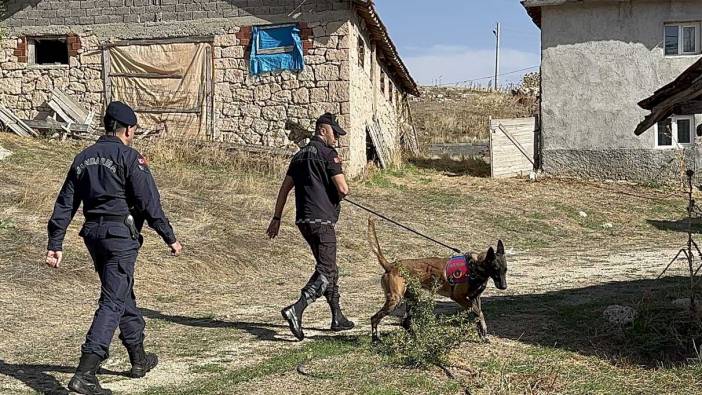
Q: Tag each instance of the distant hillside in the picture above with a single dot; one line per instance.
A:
(459, 115)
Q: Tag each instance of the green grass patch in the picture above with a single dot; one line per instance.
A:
(208, 368)
(7, 224)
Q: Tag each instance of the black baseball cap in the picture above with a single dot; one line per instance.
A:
(329, 119)
(121, 113)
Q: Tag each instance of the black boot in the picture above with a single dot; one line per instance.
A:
(339, 321)
(85, 381)
(293, 313)
(141, 361)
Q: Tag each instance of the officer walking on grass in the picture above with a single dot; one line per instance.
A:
(315, 173)
(118, 192)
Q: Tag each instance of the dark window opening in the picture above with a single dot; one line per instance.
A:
(371, 153)
(665, 133)
(361, 53)
(684, 131)
(671, 40)
(50, 51)
(382, 83)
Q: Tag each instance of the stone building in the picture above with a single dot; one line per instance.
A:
(598, 60)
(186, 65)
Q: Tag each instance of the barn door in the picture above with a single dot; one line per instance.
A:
(169, 85)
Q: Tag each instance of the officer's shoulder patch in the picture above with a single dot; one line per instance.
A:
(142, 162)
(337, 159)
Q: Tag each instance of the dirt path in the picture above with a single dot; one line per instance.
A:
(235, 325)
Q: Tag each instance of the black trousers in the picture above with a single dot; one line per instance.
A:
(114, 254)
(322, 242)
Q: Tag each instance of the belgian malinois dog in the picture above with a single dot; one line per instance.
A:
(431, 271)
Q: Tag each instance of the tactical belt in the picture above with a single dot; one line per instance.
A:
(105, 218)
(123, 219)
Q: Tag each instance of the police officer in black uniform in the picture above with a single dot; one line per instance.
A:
(315, 173)
(118, 192)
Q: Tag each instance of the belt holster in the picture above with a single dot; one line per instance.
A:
(129, 221)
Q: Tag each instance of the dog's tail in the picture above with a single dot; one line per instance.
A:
(375, 246)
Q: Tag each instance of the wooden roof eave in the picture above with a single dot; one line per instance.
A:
(672, 99)
(379, 34)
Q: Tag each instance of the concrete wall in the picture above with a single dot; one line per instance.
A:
(598, 61)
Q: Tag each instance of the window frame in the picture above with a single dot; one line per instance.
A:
(361, 50)
(32, 50)
(681, 44)
(383, 82)
(674, 132)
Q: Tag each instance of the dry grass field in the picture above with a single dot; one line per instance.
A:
(460, 115)
(213, 313)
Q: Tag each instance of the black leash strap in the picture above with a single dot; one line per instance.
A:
(456, 250)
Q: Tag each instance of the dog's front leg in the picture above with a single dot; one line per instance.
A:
(482, 326)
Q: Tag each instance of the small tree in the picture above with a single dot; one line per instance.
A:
(531, 83)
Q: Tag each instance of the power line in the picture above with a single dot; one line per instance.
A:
(488, 77)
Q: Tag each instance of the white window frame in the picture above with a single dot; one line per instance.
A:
(674, 131)
(681, 26)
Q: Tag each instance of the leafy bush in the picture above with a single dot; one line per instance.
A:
(429, 338)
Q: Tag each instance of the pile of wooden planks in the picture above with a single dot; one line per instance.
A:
(382, 147)
(77, 119)
(70, 119)
(15, 124)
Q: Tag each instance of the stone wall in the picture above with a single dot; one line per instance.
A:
(25, 88)
(90, 12)
(254, 109)
(247, 109)
(367, 98)
(599, 59)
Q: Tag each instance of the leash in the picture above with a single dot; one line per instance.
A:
(456, 250)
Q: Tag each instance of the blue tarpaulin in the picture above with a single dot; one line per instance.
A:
(276, 48)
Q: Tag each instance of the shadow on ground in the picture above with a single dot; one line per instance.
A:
(263, 331)
(572, 319)
(475, 167)
(39, 377)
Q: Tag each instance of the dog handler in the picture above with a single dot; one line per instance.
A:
(315, 173)
(113, 181)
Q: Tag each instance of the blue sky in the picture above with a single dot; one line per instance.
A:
(447, 41)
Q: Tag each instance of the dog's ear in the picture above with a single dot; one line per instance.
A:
(490, 256)
(500, 248)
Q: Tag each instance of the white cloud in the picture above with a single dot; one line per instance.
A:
(448, 64)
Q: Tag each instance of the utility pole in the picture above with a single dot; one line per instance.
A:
(497, 56)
